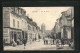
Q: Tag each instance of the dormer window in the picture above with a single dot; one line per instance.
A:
(19, 11)
(68, 16)
(24, 12)
(16, 10)
(13, 9)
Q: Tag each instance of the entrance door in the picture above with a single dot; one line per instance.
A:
(15, 37)
(11, 37)
(59, 34)
(23, 34)
(26, 37)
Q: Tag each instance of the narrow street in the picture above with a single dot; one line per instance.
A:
(40, 28)
(38, 45)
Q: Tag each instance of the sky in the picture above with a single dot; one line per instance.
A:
(46, 15)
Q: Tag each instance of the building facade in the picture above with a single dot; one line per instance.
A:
(64, 26)
(17, 26)
(13, 24)
(33, 30)
(43, 30)
(66, 23)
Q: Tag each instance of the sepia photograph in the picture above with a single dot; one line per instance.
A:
(38, 28)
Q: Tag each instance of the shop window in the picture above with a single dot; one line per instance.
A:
(11, 34)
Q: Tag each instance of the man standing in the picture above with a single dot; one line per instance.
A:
(24, 42)
(62, 42)
(53, 41)
(44, 41)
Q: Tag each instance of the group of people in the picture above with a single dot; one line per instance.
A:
(59, 43)
(48, 41)
(24, 41)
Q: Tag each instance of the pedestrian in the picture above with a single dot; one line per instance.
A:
(69, 43)
(57, 43)
(4, 42)
(44, 40)
(53, 41)
(24, 42)
(62, 42)
(47, 42)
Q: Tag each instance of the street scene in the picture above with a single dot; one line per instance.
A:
(38, 28)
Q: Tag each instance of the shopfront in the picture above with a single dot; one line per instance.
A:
(15, 36)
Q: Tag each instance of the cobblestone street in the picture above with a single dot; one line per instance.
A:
(38, 45)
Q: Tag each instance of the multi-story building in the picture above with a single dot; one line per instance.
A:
(65, 24)
(14, 24)
(39, 33)
(17, 26)
(58, 29)
(33, 30)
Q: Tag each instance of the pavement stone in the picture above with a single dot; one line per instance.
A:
(36, 46)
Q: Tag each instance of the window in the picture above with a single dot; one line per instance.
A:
(30, 36)
(13, 9)
(29, 27)
(13, 22)
(6, 40)
(69, 23)
(25, 23)
(18, 24)
(16, 10)
(24, 12)
(19, 11)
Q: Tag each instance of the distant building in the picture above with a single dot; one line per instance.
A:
(47, 33)
(33, 30)
(43, 28)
